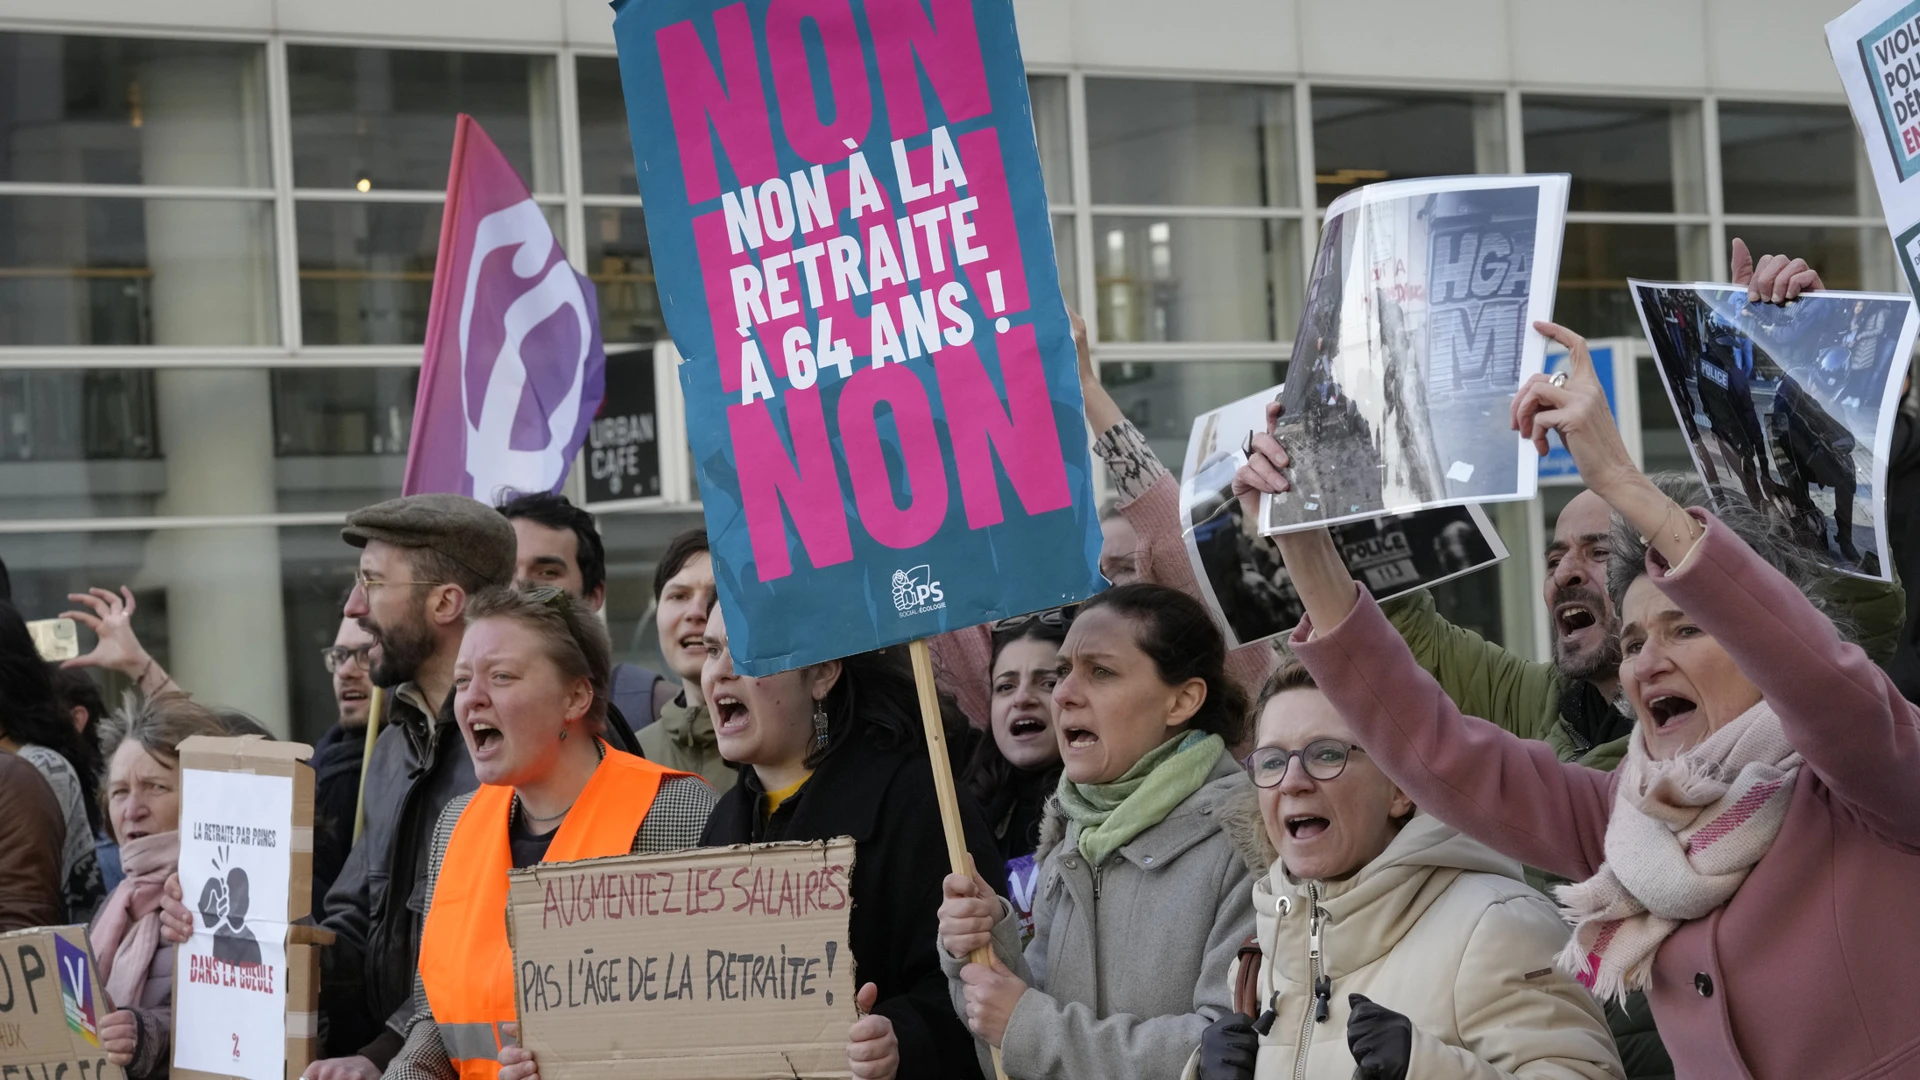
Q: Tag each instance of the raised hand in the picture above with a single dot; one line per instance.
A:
(1577, 409)
(1262, 474)
(110, 616)
(1776, 279)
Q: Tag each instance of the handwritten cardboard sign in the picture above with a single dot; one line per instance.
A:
(51, 1005)
(716, 964)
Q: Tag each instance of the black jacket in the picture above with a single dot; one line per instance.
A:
(375, 908)
(885, 800)
(336, 794)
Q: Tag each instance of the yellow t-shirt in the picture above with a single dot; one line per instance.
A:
(775, 798)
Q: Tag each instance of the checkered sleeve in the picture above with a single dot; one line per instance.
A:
(1131, 463)
(678, 815)
(424, 1057)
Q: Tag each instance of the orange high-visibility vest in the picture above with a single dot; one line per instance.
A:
(466, 963)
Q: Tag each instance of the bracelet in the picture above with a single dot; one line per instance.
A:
(140, 680)
(1671, 506)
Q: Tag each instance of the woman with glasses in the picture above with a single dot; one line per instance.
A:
(1016, 768)
(1388, 945)
(1147, 857)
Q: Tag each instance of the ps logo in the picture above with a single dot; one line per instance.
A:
(491, 459)
(915, 590)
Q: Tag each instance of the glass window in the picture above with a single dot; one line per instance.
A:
(1163, 397)
(1362, 136)
(1155, 141)
(381, 119)
(97, 110)
(1791, 159)
(606, 142)
(1064, 254)
(1596, 260)
(621, 266)
(1624, 155)
(111, 271)
(1051, 130)
(1196, 279)
(366, 271)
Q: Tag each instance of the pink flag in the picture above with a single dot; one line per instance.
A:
(514, 369)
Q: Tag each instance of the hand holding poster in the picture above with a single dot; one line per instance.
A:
(1240, 575)
(717, 964)
(51, 1008)
(1418, 331)
(1791, 406)
(847, 220)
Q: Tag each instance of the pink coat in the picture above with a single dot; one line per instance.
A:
(1812, 969)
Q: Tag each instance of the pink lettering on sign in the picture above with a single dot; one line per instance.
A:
(906, 42)
(805, 483)
(851, 105)
(1021, 432)
(738, 109)
(899, 389)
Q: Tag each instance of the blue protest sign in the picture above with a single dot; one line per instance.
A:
(851, 240)
(1613, 362)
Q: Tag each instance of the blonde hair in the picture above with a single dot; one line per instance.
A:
(570, 634)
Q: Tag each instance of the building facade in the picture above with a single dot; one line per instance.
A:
(218, 223)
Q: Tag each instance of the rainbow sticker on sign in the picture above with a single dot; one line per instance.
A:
(76, 990)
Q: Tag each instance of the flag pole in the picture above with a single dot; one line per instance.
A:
(944, 789)
(376, 705)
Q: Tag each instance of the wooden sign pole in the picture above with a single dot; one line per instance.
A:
(944, 789)
(375, 707)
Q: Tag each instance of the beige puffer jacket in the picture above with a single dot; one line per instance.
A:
(1439, 928)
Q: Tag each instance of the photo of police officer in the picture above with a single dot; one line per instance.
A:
(1784, 403)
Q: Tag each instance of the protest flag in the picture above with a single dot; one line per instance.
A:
(514, 368)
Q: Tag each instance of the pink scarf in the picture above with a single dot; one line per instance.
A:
(127, 933)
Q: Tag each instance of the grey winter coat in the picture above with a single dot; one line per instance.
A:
(1128, 963)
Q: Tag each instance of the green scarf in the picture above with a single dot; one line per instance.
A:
(1111, 815)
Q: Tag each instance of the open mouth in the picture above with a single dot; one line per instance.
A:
(353, 695)
(485, 735)
(1023, 726)
(1670, 709)
(1079, 738)
(1306, 826)
(729, 715)
(1573, 618)
(694, 643)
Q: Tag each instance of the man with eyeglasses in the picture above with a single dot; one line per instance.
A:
(338, 754)
(421, 558)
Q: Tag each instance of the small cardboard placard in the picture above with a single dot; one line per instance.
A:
(51, 1005)
(714, 964)
(244, 986)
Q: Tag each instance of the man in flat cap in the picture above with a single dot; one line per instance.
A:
(421, 558)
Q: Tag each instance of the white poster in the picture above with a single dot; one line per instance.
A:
(230, 981)
(1876, 46)
(1790, 406)
(1418, 331)
(1241, 577)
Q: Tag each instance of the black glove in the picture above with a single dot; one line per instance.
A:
(1381, 1040)
(1228, 1048)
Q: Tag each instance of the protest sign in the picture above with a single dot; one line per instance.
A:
(1418, 331)
(716, 964)
(1613, 363)
(851, 237)
(513, 369)
(51, 1005)
(243, 985)
(1791, 406)
(623, 446)
(1876, 46)
(1240, 575)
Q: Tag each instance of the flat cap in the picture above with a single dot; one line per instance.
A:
(469, 532)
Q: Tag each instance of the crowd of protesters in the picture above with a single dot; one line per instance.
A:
(1309, 860)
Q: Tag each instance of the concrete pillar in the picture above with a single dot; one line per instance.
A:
(213, 285)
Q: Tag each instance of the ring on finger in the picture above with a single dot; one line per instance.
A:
(1559, 378)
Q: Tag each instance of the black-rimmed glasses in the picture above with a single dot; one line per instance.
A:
(336, 656)
(1324, 759)
(1059, 618)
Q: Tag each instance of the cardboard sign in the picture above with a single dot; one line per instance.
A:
(854, 253)
(240, 1008)
(622, 455)
(51, 1005)
(717, 964)
(1876, 46)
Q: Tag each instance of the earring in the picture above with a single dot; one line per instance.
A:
(819, 724)
(563, 734)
